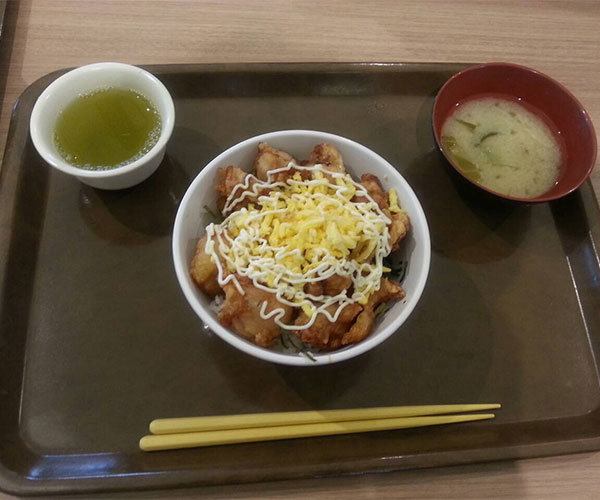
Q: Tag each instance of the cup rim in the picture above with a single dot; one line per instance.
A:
(234, 339)
(168, 121)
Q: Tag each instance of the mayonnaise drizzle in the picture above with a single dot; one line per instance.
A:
(250, 254)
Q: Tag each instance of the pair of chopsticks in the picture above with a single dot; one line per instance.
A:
(175, 433)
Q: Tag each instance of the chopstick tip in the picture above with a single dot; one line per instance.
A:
(143, 444)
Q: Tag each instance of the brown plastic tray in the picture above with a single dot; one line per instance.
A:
(97, 339)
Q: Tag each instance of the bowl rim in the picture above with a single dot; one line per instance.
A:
(560, 86)
(167, 125)
(234, 339)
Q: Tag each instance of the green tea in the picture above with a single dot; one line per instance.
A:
(106, 128)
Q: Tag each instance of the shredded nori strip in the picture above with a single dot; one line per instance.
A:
(289, 342)
(307, 353)
(217, 219)
(398, 268)
(380, 309)
(282, 338)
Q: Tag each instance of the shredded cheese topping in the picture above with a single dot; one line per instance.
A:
(302, 231)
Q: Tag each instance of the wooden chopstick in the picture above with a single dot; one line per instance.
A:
(253, 420)
(271, 433)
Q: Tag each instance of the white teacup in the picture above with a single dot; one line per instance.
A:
(68, 87)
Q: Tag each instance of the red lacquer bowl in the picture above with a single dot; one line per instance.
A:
(539, 93)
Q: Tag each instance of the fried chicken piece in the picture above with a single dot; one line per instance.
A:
(398, 228)
(332, 286)
(268, 159)
(362, 327)
(314, 288)
(242, 312)
(388, 290)
(336, 284)
(354, 324)
(204, 271)
(328, 156)
(227, 179)
(324, 334)
(373, 186)
(400, 222)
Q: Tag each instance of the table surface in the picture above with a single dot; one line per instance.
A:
(560, 39)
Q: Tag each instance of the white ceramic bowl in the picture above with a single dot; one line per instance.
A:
(66, 88)
(191, 221)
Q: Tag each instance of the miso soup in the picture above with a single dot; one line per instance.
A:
(503, 146)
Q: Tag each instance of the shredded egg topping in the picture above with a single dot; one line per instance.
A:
(302, 231)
